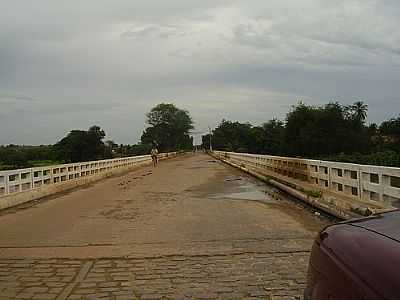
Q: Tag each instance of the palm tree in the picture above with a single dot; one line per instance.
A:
(359, 110)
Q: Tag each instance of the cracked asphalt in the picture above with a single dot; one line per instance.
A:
(192, 228)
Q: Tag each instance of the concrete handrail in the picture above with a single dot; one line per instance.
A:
(23, 180)
(373, 184)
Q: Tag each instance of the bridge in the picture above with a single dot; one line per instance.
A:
(192, 228)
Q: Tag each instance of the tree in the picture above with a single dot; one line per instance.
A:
(233, 136)
(300, 123)
(389, 133)
(81, 145)
(170, 127)
(110, 147)
(358, 112)
(391, 128)
(257, 140)
(13, 156)
(274, 131)
(95, 137)
(316, 131)
(205, 141)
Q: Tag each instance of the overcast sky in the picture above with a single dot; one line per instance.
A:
(71, 64)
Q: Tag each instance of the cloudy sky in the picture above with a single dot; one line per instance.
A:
(71, 64)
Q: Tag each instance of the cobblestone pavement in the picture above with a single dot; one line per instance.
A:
(234, 276)
(215, 235)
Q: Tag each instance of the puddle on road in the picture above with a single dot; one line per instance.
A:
(202, 164)
(248, 194)
(231, 184)
(242, 188)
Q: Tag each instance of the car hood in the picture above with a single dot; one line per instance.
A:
(369, 249)
(387, 224)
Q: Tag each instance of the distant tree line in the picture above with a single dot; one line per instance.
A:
(332, 132)
(168, 130)
(77, 145)
(16, 156)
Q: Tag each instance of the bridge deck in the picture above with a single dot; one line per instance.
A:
(192, 228)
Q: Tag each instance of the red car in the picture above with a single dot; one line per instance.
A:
(356, 260)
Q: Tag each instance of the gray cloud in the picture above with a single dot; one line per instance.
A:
(70, 65)
(154, 31)
(10, 98)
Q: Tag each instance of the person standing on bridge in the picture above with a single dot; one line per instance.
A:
(154, 155)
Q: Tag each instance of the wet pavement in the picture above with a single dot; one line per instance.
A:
(193, 228)
(243, 188)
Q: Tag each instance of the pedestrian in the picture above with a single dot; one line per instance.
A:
(154, 153)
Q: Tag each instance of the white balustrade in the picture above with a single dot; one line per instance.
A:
(364, 182)
(21, 180)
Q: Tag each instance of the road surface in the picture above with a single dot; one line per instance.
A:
(192, 228)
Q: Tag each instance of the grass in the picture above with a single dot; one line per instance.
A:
(30, 164)
(315, 194)
(43, 163)
(6, 167)
(361, 211)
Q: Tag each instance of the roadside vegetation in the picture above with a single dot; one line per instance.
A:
(168, 126)
(333, 132)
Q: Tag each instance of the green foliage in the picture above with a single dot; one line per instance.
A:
(42, 163)
(243, 137)
(205, 141)
(386, 158)
(15, 156)
(332, 132)
(132, 150)
(232, 136)
(6, 167)
(311, 131)
(81, 145)
(315, 194)
(170, 128)
(274, 132)
(391, 128)
(389, 135)
(357, 112)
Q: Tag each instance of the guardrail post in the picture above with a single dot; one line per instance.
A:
(360, 184)
(329, 177)
(381, 185)
(6, 186)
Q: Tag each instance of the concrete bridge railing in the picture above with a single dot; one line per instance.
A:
(22, 185)
(375, 186)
